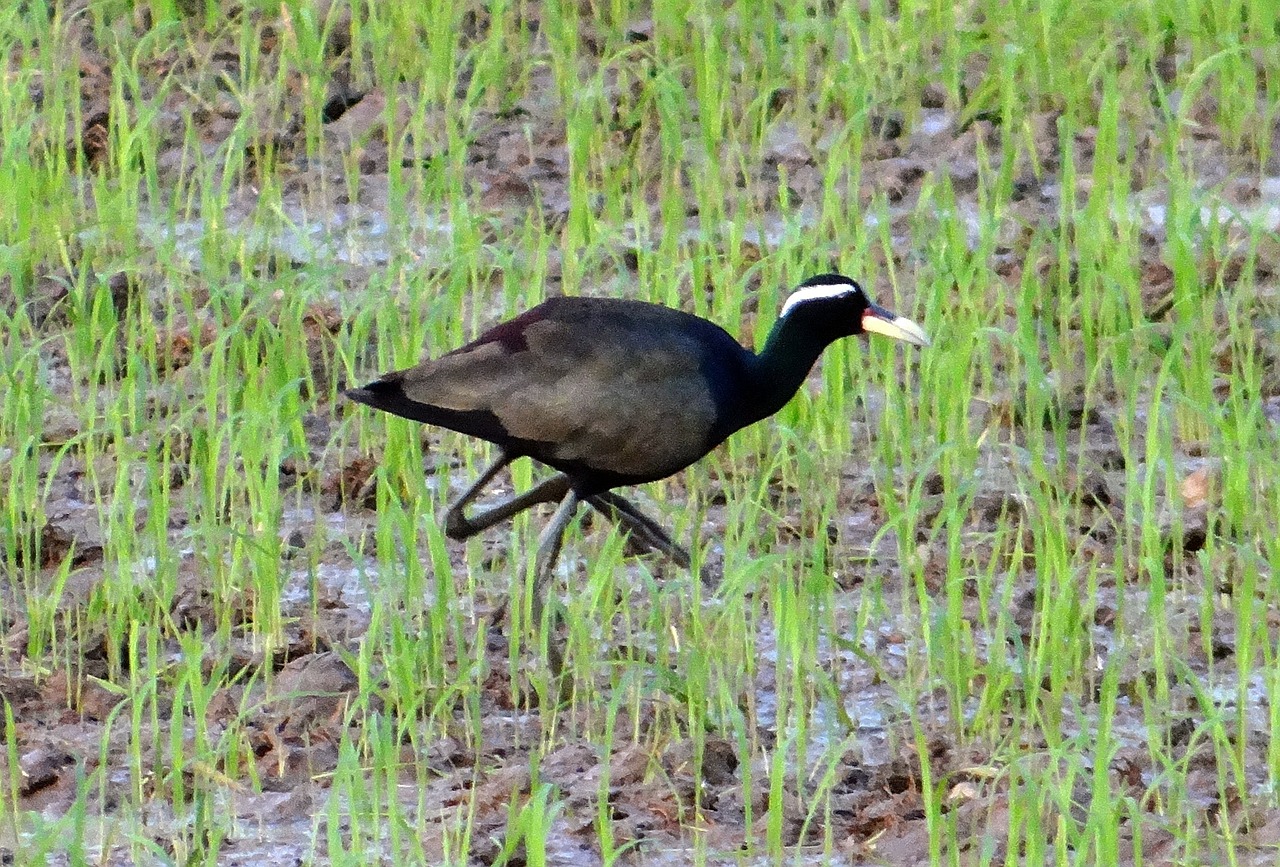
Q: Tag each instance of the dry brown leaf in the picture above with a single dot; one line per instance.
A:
(1195, 488)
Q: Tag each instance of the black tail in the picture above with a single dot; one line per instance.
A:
(376, 394)
(387, 394)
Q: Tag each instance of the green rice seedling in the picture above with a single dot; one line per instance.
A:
(1017, 177)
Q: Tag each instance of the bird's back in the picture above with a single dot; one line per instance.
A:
(611, 391)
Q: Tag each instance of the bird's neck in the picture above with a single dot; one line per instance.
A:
(781, 367)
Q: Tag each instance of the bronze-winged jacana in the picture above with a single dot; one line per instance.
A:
(613, 392)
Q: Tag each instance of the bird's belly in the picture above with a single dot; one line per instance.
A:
(642, 456)
(642, 427)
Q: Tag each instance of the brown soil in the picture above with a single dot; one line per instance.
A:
(518, 160)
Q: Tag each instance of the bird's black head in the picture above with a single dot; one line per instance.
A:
(834, 306)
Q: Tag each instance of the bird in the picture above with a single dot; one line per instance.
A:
(613, 392)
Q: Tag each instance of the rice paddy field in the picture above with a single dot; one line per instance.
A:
(1009, 599)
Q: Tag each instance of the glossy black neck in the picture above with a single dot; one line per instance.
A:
(793, 347)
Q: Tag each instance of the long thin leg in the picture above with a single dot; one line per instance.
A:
(459, 526)
(549, 547)
(546, 491)
(455, 523)
(548, 553)
(643, 529)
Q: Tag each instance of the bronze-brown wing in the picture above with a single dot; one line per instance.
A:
(580, 390)
(637, 405)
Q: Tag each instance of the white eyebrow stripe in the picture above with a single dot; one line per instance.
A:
(813, 293)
